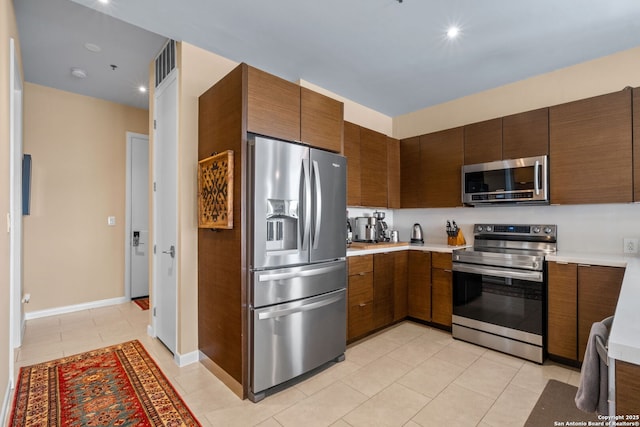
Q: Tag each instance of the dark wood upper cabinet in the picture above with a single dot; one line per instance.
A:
(483, 141)
(590, 150)
(636, 144)
(373, 168)
(441, 159)
(321, 120)
(393, 173)
(410, 173)
(352, 153)
(525, 134)
(282, 109)
(273, 105)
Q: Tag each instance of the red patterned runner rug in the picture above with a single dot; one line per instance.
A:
(143, 303)
(112, 386)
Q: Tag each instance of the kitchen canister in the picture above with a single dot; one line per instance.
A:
(395, 237)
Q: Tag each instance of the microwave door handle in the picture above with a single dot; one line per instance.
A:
(536, 177)
(315, 171)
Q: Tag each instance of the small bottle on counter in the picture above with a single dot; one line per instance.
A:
(349, 233)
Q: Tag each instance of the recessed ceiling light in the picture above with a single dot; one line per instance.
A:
(92, 47)
(79, 73)
(142, 89)
(453, 32)
(104, 1)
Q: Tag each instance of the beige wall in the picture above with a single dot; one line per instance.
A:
(607, 74)
(199, 70)
(78, 147)
(8, 29)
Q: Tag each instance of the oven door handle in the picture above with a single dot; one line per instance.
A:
(532, 276)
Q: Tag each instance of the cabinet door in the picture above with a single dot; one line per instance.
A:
(273, 106)
(383, 295)
(562, 315)
(400, 271)
(393, 173)
(360, 312)
(590, 150)
(627, 388)
(373, 168)
(598, 290)
(410, 173)
(419, 285)
(441, 159)
(441, 288)
(525, 134)
(352, 153)
(483, 142)
(636, 144)
(321, 120)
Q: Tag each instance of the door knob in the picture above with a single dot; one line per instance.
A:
(171, 251)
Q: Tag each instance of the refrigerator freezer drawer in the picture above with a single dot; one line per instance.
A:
(288, 284)
(294, 338)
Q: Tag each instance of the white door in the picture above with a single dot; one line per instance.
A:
(165, 291)
(138, 229)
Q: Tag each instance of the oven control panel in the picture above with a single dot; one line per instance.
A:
(522, 230)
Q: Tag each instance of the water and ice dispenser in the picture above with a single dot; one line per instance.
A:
(282, 225)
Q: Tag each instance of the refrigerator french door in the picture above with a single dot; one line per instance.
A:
(297, 252)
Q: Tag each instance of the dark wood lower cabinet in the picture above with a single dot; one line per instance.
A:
(383, 295)
(419, 285)
(400, 284)
(627, 389)
(441, 294)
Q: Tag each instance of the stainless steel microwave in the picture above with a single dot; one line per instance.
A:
(521, 181)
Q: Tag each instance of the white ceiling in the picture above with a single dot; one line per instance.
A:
(390, 56)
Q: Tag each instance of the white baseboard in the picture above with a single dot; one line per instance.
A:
(4, 415)
(187, 359)
(72, 308)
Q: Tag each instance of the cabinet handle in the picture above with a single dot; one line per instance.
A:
(362, 273)
(362, 304)
(562, 262)
(448, 271)
(584, 265)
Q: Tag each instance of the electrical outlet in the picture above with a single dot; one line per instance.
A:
(630, 245)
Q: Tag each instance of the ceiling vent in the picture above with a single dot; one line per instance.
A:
(165, 61)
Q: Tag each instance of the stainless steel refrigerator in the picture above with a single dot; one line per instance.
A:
(297, 258)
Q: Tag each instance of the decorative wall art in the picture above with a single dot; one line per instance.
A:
(215, 191)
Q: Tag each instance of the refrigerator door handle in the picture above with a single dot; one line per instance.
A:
(268, 277)
(301, 308)
(305, 205)
(315, 171)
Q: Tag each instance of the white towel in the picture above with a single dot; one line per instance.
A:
(592, 395)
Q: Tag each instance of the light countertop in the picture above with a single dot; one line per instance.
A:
(431, 247)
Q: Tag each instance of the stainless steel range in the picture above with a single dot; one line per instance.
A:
(500, 288)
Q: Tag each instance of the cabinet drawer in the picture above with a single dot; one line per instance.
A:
(361, 288)
(360, 319)
(360, 264)
(441, 260)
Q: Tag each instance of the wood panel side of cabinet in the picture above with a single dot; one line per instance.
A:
(400, 272)
(273, 105)
(393, 173)
(627, 388)
(441, 160)
(562, 314)
(321, 120)
(419, 285)
(442, 296)
(352, 153)
(373, 168)
(483, 141)
(590, 150)
(222, 288)
(383, 295)
(525, 134)
(598, 291)
(636, 144)
(410, 173)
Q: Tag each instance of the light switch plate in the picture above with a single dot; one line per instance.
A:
(111, 221)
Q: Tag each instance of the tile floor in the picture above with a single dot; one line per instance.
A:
(408, 375)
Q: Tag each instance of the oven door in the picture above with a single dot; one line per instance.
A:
(500, 301)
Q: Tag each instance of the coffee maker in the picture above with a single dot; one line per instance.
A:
(382, 231)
